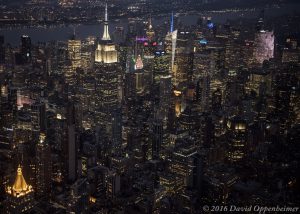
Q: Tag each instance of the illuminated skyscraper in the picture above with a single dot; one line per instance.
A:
(107, 75)
(170, 43)
(74, 51)
(106, 51)
(19, 195)
(165, 94)
(183, 64)
(150, 32)
(264, 46)
(237, 138)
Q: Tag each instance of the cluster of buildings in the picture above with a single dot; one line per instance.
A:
(166, 121)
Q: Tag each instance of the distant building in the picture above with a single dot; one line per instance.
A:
(74, 49)
(43, 168)
(264, 46)
(26, 49)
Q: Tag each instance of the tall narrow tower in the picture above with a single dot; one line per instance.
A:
(107, 76)
(170, 42)
(43, 168)
(150, 32)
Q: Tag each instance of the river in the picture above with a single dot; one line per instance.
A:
(44, 34)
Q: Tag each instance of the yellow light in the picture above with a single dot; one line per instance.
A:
(42, 137)
(177, 93)
(92, 199)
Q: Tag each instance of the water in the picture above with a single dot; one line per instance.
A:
(41, 34)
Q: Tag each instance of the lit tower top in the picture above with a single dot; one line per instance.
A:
(150, 32)
(171, 39)
(139, 63)
(106, 51)
(106, 35)
(20, 187)
(150, 23)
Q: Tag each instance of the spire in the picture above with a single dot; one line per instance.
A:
(106, 19)
(106, 35)
(172, 22)
(150, 23)
(73, 37)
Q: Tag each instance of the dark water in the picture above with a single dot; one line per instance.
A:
(41, 34)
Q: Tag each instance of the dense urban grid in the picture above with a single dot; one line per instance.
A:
(150, 118)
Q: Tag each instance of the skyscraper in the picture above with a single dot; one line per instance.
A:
(157, 138)
(170, 43)
(2, 50)
(43, 167)
(19, 195)
(71, 151)
(165, 94)
(264, 46)
(150, 32)
(74, 52)
(107, 75)
(25, 49)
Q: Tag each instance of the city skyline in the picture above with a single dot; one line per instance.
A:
(149, 106)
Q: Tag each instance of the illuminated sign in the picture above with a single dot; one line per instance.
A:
(141, 39)
(203, 41)
(210, 25)
(160, 53)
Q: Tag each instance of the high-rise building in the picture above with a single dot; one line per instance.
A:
(26, 49)
(2, 50)
(38, 116)
(43, 168)
(106, 50)
(157, 138)
(74, 52)
(79, 198)
(170, 43)
(264, 46)
(71, 148)
(150, 32)
(19, 195)
(113, 184)
(107, 75)
(183, 164)
(205, 92)
(165, 94)
(237, 136)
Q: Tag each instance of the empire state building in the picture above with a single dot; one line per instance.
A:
(106, 51)
(108, 77)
